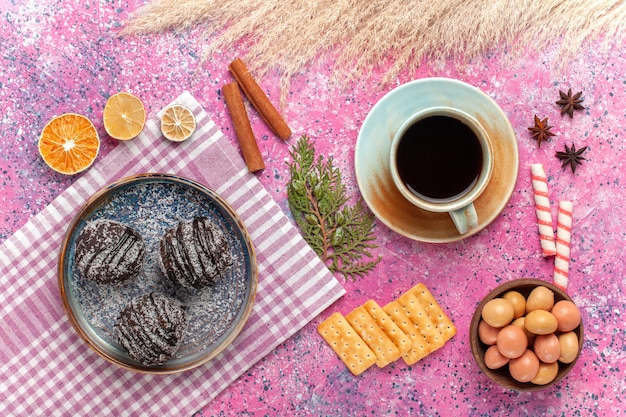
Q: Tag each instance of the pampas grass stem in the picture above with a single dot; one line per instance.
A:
(289, 35)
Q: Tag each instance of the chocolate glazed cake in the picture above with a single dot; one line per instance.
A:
(195, 253)
(109, 252)
(151, 328)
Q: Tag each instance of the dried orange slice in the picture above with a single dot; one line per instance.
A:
(69, 143)
(177, 123)
(124, 116)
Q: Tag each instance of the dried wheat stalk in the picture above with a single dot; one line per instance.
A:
(392, 35)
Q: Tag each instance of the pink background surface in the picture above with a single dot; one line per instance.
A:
(59, 57)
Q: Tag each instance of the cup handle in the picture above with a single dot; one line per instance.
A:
(465, 218)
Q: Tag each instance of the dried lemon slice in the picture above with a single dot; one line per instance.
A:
(69, 143)
(177, 123)
(124, 116)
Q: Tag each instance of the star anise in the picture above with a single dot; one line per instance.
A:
(571, 156)
(569, 102)
(541, 130)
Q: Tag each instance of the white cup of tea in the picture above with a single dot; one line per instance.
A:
(441, 160)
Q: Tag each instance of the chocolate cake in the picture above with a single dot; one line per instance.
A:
(195, 253)
(151, 328)
(109, 252)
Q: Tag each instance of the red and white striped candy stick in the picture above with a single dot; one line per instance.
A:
(563, 239)
(542, 207)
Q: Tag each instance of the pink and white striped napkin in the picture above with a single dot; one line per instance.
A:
(46, 369)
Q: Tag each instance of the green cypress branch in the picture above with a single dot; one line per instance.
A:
(340, 234)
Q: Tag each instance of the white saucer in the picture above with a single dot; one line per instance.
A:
(372, 157)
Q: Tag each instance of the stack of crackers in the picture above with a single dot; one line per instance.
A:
(410, 327)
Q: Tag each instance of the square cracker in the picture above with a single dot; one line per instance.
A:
(418, 334)
(398, 337)
(384, 349)
(347, 344)
(434, 311)
(417, 314)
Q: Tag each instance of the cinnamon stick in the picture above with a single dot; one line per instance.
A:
(243, 130)
(259, 99)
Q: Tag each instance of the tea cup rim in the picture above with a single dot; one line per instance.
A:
(483, 179)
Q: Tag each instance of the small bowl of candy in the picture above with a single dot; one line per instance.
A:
(526, 334)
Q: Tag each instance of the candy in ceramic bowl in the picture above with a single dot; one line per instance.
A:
(526, 334)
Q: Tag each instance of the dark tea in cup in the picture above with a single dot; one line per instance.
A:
(441, 161)
(439, 158)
